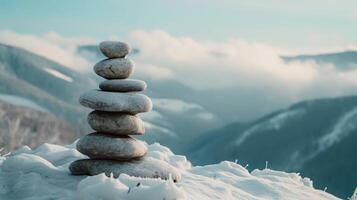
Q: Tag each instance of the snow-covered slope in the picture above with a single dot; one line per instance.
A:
(20, 125)
(317, 138)
(48, 84)
(43, 173)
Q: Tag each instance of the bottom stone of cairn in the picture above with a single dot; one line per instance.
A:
(146, 168)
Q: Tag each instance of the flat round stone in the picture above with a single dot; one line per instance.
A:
(146, 167)
(114, 49)
(116, 68)
(116, 123)
(132, 103)
(105, 146)
(123, 85)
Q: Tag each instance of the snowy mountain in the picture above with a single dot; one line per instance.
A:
(317, 138)
(49, 84)
(55, 88)
(42, 173)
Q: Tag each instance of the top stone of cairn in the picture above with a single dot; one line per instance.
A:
(114, 49)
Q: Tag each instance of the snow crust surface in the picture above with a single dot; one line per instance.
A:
(43, 173)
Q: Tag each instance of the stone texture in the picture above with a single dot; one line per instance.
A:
(117, 68)
(146, 167)
(113, 49)
(124, 85)
(116, 102)
(116, 123)
(103, 146)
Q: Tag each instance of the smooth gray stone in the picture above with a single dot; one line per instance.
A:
(146, 167)
(114, 49)
(116, 123)
(105, 146)
(132, 103)
(123, 85)
(116, 68)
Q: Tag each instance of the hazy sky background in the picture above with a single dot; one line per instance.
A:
(229, 46)
(304, 24)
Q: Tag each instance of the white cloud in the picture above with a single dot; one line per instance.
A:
(154, 72)
(239, 64)
(235, 64)
(154, 128)
(175, 105)
(179, 106)
(215, 65)
(50, 45)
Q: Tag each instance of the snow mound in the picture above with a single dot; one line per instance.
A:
(43, 173)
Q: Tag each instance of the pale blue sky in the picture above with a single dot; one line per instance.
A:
(279, 22)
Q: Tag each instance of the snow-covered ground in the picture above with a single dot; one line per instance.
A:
(42, 173)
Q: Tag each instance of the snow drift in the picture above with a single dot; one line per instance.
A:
(43, 173)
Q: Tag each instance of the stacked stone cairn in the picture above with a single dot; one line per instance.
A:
(112, 149)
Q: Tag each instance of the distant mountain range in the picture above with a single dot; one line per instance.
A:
(49, 84)
(317, 138)
(55, 88)
(346, 60)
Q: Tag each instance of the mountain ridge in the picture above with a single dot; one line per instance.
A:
(296, 138)
(345, 60)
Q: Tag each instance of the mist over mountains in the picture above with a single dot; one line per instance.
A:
(346, 60)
